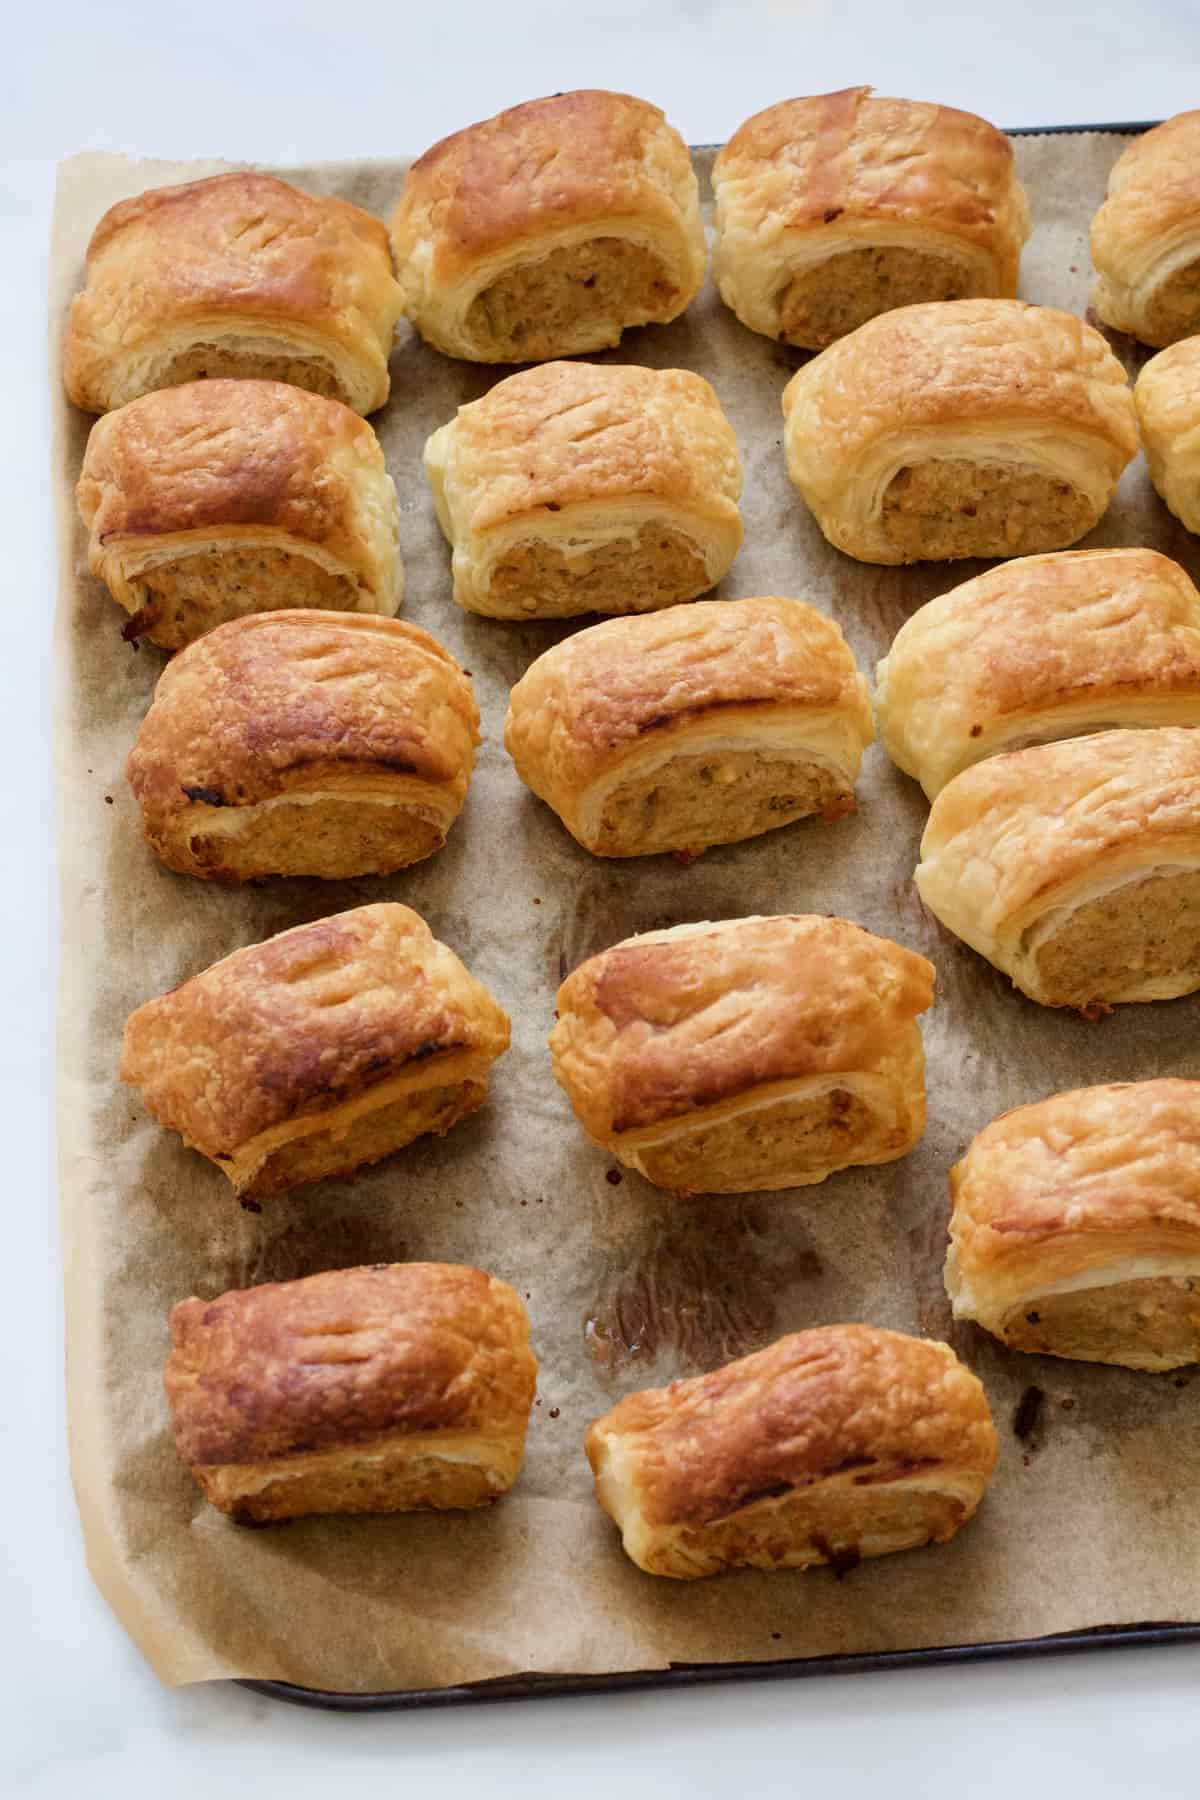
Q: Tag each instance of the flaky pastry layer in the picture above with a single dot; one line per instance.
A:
(319, 713)
(392, 1387)
(1146, 236)
(238, 274)
(545, 193)
(983, 385)
(1041, 648)
(805, 185)
(1019, 846)
(1092, 1194)
(570, 458)
(626, 701)
(308, 1033)
(831, 1445)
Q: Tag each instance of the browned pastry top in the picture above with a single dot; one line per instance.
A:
(301, 695)
(345, 1356)
(564, 160)
(567, 433)
(1047, 1184)
(303, 1022)
(813, 1405)
(227, 452)
(240, 245)
(686, 1018)
(858, 155)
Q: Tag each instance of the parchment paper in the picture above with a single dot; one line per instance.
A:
(1092, 1518)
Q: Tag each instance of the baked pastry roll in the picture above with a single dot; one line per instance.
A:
(221, 498)
(1146, 236)
(747, 1054)
(1042, 648)
(829, 1446)
(574, 488)
(700, 725)
(304, 743)
(1076, 1226)
(963, 428)
(837, 207)
(239, 274)
(1167, 396)
(324, 1048)
(549, 230)
(386, 1389)
(1075, 867)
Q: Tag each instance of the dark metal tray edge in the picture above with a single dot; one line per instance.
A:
(685, 1675)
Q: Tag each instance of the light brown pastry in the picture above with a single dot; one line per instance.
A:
(550, 229)
(304, 743)
(1146, 236)
(747, 1054)
(961, 428)
(837, 207)
(1167, 396)
(320, 1050)
(1076, 1226)
(1042, 648)
(387, 1389)
(577, 488)
(830, 1446)
(1075, 867)
(239, 274)
(699, 725)
(221, 498)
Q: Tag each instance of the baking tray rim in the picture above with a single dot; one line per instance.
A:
(685, 1675)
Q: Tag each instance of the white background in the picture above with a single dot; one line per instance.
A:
(79, 1713)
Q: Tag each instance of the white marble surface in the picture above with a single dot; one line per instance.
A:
(79, 1713)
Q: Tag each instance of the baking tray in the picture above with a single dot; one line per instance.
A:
(687, 1675)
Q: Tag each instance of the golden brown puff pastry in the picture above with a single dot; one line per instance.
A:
(304, 743)
(221, 498)
(1167, 397)
(829, 1446)
(961, 428)
(384, 1389)
(1076, 1226)
(1146, 236)
(574, 488)
(320, 1050)
(699, 725)
(239, 274)
(1075, 867)
(550, 229)
(837, 207)
(748, 1054)
(1042, 648)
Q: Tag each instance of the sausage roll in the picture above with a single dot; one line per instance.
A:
(964, 428)
(1076, 1226)
(829, 1446)
(304, 743)
(749, 1054)
(1146, 236)
(1167, 396)
(837, 207)
(240, 274)
(550, 229)
(1075, 867)
(221, 498)
(386, 1389)
(700, 725)
(1041, 648)
(322, 1049)
(574, 488)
